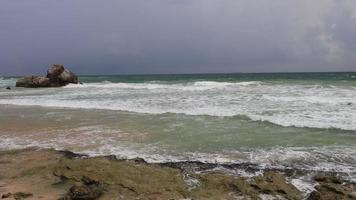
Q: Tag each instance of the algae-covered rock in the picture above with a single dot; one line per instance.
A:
(83, 192)
(274, 183)
(222, 186)
(332, 187)
(22, 195)
(7, 195)
(126, 178)
(49, 174)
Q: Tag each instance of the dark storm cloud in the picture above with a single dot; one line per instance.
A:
(177, 36)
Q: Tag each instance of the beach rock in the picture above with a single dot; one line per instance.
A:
(275, 183)
(42, 81)
(83, 192)
(22, 195)
(332, 187)
(5, 196)
(8, 88)
(54, 72)
(25, 81)
(68, 77)
(89, 190)
(57, 76)
(33, 82)
(326, 178)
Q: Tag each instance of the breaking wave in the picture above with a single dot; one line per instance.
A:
(312, 106)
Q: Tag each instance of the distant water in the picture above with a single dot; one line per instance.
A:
(301, 120)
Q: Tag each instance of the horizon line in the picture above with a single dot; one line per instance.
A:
(195, 73)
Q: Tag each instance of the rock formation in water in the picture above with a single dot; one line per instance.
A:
(57, 76)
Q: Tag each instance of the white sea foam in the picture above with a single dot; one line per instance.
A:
(305, 186)
(199, 85)
(312, 106)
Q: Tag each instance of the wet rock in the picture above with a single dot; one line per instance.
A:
(71, 155)
(41, 82)
(8, 88)
(88, 181)
(68, 77)
(22, 195)
(54, 72)
(328, 178)
(274, 183)
(33, 82)
(88, 190)
(105, 177)
(315, 195)
(139, 160)
(5, 196)
(83, 192)
(332, 187)
(25, 81)
(57, 76)
(220, 186)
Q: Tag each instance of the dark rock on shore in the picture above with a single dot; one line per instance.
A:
(17, 195)
(57, 76)
(88, 190)
(7, 195)
(332, 187)
(8, 88)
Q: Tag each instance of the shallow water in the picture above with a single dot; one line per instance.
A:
(275, 120)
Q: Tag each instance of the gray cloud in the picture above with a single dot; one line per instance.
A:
(177, 36)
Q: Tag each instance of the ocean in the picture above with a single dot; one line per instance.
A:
(276, 120)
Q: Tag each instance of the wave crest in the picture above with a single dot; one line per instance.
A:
(281, 104)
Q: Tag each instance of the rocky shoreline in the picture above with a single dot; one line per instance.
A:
(50, 174)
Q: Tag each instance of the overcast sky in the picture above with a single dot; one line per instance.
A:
(177, 36)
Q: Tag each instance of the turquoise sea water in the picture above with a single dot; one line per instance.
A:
(298, 120)
(317, 78)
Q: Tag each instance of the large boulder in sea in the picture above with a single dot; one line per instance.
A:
(57, 76)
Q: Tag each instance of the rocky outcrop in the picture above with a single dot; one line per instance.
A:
(332, 187)
(57, 76)
(88, 189)
(17, 195)
(64, 175)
